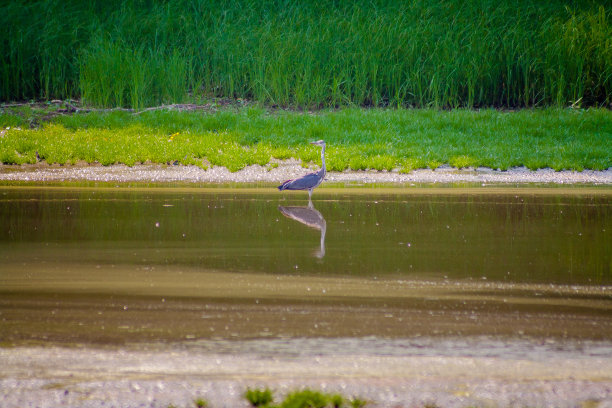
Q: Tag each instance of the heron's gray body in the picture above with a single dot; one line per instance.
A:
(310, 181)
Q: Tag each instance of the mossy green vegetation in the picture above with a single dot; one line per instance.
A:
(358, 139)
(309, 54)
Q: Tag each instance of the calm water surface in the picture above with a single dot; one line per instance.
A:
(116, 265)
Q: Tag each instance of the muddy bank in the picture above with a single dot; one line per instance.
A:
(281, 171)
(121, 305)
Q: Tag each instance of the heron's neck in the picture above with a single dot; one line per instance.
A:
(323, 159)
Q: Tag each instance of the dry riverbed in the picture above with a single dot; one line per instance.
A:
(284, 170)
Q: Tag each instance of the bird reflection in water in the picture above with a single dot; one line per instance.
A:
(310, 217)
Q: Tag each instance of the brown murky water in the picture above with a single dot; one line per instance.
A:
(122, 265)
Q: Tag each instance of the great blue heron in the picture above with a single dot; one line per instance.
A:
(309, 181)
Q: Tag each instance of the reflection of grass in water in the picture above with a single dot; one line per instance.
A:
(357, 139)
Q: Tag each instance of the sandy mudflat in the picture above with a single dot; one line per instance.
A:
(292, 169)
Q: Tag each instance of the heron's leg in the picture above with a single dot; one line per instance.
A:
(309, 194)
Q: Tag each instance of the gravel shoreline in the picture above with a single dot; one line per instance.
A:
(97, 378)
(284, 170)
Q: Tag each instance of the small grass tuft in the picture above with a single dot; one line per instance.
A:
(336, 400)
(259, 398)
(358, 403)
(301, 399)
(463, 161)
(201, 403)
(307, 399)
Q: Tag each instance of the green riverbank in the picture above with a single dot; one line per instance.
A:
(235, 136)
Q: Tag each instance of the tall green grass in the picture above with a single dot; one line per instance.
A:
(112, 75)
(310, 54)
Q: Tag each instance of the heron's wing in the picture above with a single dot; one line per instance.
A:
(303, 183)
